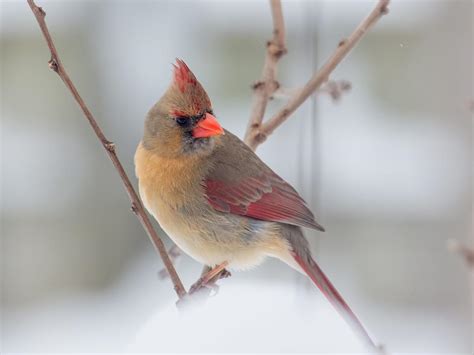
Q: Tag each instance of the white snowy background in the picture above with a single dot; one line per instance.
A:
(387, 172)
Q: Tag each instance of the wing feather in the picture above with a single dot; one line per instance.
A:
(240, 183)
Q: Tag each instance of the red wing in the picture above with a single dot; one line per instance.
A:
(266, 197)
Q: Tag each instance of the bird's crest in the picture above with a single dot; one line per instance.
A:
(183, 76)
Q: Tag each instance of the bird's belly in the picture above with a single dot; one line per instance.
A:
(212, 244)
(212, 238)
(212, 254)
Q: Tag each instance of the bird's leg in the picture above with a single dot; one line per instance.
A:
(213, 273)
(211, 284)
(209, 274)
(222, 275)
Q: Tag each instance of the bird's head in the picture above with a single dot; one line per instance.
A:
(182, 121)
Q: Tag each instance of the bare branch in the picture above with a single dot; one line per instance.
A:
(334, 88)
(260, 133)
(263, 88)
(174, 253)
(137, 207)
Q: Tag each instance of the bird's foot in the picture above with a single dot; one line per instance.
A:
(205, 287)
(208, 279)
(224, 274)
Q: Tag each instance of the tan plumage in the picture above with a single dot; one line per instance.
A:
(215, 198)
(180, 206)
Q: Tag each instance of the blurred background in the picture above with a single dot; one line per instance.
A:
(387, 171)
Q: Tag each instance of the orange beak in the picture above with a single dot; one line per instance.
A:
(208, 127)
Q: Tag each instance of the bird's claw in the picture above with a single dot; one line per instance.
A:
(225, 274)
(203, 283)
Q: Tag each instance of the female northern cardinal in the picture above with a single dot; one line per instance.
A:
(215, 198)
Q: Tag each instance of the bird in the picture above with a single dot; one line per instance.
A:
(215, 198)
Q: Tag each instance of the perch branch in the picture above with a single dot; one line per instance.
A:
(174, 253)
(267, 85)
(137, 207)
(259, 133)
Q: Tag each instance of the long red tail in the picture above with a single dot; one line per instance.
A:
(315, 273)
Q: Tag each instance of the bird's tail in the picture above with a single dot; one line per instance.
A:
(302, 255)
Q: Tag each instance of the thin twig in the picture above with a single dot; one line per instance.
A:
(267, 85)
(260, 133)
(334, 88)
(137, 207)
(174, 253)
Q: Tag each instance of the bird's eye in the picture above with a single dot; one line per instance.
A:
(182, 121)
